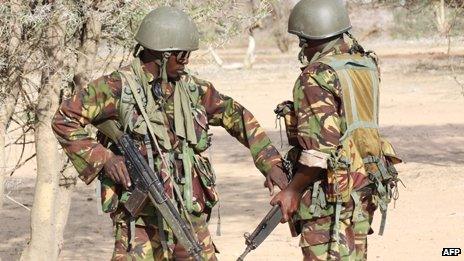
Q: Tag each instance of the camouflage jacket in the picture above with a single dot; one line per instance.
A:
(319, 110)
(336, 109)
(100, 101)
(320, 120)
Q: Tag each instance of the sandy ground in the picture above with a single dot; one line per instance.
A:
(421, 113)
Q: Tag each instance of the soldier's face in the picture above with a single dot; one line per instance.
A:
(176, 64)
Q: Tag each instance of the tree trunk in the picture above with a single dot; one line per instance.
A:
(43, 244)
(88, 48)
(11, 88)
(440, 16)
(250, 56)
(91, 33)
(65, 189)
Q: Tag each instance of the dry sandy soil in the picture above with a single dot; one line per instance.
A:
(421, 113)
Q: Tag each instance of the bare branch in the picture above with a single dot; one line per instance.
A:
(18, 166)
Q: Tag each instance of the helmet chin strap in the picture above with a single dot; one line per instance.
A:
(136, 50)
(163, 64)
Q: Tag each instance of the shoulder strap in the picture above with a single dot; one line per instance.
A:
(183, 112)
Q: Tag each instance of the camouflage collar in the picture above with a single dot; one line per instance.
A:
(332, 48)
(335, 49)
(338, 48)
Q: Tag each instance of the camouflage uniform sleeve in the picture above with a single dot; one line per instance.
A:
(223, 111)
(95, 103)
(317, 103)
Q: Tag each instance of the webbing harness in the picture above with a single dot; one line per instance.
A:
(335, 162)
(155, 134)
(317, 195)
(384, 192)
(184, 97)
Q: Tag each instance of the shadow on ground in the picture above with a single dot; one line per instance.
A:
(413, 143)
(420, 143)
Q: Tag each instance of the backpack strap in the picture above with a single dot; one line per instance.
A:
(183, 113)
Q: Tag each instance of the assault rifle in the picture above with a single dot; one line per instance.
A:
(145, 182)
(269, 222)
(267, 225)
(264, 229)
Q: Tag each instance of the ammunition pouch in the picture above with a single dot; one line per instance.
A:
(199, 187)
(203, 168)
(339, 184)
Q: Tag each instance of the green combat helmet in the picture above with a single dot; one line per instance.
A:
(168, 29)
(319, 19)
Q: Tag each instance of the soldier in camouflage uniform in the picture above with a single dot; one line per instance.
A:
(180, 108)
(343, 168)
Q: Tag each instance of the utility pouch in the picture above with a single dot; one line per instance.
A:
(286, 110)
(391, 158)
(382, 172)
(339, 183)
(203, 167)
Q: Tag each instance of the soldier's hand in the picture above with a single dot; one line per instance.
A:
(115, 169)
(276, 177)
(289, 200)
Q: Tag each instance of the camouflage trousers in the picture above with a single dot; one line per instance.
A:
(317, 241)
(148, 243)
